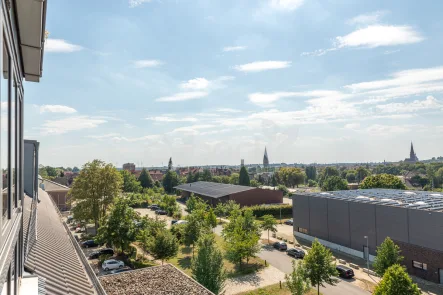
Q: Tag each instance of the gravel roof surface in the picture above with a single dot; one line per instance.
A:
(157, 280)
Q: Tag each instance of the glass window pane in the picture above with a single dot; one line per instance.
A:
(14, 122)
(4, 129)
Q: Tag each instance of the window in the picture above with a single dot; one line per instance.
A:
(419, 265)
(12, 142)
(4, 93)
(303, 230)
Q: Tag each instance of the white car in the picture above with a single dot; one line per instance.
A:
(181, 222)
(112, 264)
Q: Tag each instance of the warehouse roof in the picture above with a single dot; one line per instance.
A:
(212, 189)
(421, 200)
(51, 186)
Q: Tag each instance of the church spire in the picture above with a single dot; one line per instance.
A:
(412, 153)
(265, 159)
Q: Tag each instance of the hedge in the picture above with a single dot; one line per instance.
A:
(260, 210)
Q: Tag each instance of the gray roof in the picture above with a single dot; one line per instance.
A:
(156, 280)
(212, 189)
(54, 186)
(421, 200)
(53, 256)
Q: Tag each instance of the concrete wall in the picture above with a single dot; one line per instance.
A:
(338, 222)
(300, 212)
(362, 223)
(426, 229)
(391, 222)
(318, 219)
(257, 196)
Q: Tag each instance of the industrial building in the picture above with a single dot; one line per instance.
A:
(356, 222)
(213, 193)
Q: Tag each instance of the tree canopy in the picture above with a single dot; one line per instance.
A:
(388, 254)
(170, 179)
(311, 172)
(269, 224)
(244, 177)
(383, 181)
(296, 280)
(396, 281)
(164, 246)
(130, 183)
(291, 176)
(145, 179)
(334, 183)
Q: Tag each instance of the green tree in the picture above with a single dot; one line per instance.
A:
(220, 210)
(170, 179)
(269, 223)
(319, 266)
(211, 218)
(231, 206)
(382, 181)
(94, 190)
(291, 176)
(334, 183)
(189, 178)
(195, 203)
(145, 179)
(119, 229)
(42, 172)
(207, 267)
(254, 183)
(206, 175)
(130, 183)
(170, 164)
(234, 179)
(243, 178)
(75, 169)
(274, 181)
(164, 246)
(296, 280)
(396, 281)
(52, 172)
(388, 254)
(225, 179)
(193, 230)
(312, 183)
(311, 172)
(350, 177)
(327, 172)
(362, 173)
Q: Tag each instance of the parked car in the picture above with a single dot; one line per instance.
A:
(89, 244)
(289, 222)
(280, 246)
(154, 207)
(160, 212)
(181, 222)
(70, 219)
(79, 230)
(345, 272)
(296, 253)
(173, 222)
(112, 264)
(96, 254)
(120, 270)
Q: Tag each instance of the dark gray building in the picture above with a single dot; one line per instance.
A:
(350, 221)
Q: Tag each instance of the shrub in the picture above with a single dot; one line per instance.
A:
(261, 210)
(284, 189)
(312, 183)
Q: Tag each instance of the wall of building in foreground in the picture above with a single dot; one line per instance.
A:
(258, 196)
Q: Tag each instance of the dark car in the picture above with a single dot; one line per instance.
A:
(161, 212)
(296, 253)
(289, 222)
(89, 244)
(120, 270)
(345, 272)
(97, 254)
(280, 246)
(154, 207)
(173, 222)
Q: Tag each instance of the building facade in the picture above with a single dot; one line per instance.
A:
(357, 222)
(129, 167)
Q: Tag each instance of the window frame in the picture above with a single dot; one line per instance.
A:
(419, 265)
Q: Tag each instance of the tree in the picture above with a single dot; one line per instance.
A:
(388, 254)
(119, 229)
(296, 280)
(269, 224)
(417, 180)
(189, 177)
(207, 267)
(211, 218)
(274, 181)
(94, 190)
(254, 183)
(350, 177)
(75, 169)
(311, 172)
(164, 246)
(291, 176)
(206, 175)
(220, 210)
(234, 179)
(145, 179)
(225, 179)
(170, 164)
(243, 178)
(312, 183)
(334, 183)
(193, 230)
(169, 181)
(319, 266)
(130, 183)
(396, 281)
(382, 181)
(362, 173)
(195, 203)
(327, 172)
(52, 172)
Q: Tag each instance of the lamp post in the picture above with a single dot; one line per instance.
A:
(367, 247)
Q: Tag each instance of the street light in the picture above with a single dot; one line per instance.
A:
(367, 247)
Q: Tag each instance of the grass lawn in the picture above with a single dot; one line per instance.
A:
(184, 257)
(274, 290)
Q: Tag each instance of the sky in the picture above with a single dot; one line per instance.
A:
(215, 81)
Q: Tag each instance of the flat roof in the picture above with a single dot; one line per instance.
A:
(212, 189)
(421, 200)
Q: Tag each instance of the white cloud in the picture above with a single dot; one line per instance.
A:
(195, 84)
(285, 5)
(417, 105)
(379, 35)
(193, 129)
(234, 48)
(352, 126)
(260, 66)
(365, 19)
(56, 109)
(391, 51)
(228, 110)
(60, 45)
(182, 96)
(147, 63)
(103, 136)
(381, 130)
(135, 3)
(167, 119)
(267, 99)
(70, 124)
(154, 138)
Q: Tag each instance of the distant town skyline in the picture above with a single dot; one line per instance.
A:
(313, 81)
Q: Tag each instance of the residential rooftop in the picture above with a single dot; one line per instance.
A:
(421, 200)
(212, 189)
(156, 280)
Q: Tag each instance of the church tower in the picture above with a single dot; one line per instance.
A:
(265, 159)
(412, 155)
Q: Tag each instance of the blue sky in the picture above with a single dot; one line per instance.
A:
(213, 82)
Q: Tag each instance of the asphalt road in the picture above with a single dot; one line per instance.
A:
(283, 262)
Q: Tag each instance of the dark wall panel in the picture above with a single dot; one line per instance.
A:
(318, 218)
(362, 224)
(426, 229)
(301, 211)
(338, 220)
(258, 196)
(391, 222)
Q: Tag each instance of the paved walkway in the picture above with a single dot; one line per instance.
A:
(267, 276)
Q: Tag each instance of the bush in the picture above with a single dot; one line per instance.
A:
(261, 210)
(284, 189)
(312, 183)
